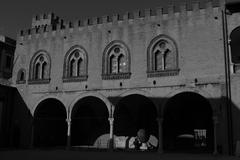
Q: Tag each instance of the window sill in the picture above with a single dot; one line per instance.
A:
(116, 76)
(164, 73)
(75, 79)
(38, 81)
(20, 81)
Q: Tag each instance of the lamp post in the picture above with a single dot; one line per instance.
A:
(227, 77)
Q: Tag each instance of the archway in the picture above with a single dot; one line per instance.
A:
(235, 40)
(188, 124)
(135, 112)
(50, 127)
(89, 120)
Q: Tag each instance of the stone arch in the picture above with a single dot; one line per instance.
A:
(45, 98)
(49, 124)
(89, 120)
(188, 122)
(187, 89)
(140, 92)
(87, 94)
(135, 110)
(234, 45)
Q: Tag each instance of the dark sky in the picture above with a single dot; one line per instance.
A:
(16, 15)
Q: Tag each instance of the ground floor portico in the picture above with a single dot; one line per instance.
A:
(184, 120)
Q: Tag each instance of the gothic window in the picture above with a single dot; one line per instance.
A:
(21, 76)
(39, 68)
(235, 47)
(116, 61)
(75, 65)
(162, 57)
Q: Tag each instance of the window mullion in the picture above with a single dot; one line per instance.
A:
(40, 73)
(76, 67)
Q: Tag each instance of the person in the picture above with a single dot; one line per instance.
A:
(141, 140)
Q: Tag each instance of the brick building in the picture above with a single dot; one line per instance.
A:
(162, 70)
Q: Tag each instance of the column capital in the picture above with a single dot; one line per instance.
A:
(68, 121)
(111, 119)
(160, 119)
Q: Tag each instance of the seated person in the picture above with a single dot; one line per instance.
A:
(141, 141)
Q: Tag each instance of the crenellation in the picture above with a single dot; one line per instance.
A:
(209, 5)
(33, 31)
(147, 13)
(170, 11)
(58, 27)
(50, 22)
(45, 28)
(29, 31)
(70, 25)
(183, 8)
(136, 14)
(41, 17)
(105, 19)
(86, 22)
(95, 20)
(196, 6)
(41, 29)
(126, 16)
(115, 18)
(159, 11)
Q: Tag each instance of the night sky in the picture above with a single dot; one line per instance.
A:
(16, 15)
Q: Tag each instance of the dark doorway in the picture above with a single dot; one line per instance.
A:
(50, 127)
(188, 124)
(235, 47)
(89, 121)
(135, 112)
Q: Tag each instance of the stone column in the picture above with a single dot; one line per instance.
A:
(111, 120)
(160, 138)
(68, 133)
(32, 133)
(215, 121)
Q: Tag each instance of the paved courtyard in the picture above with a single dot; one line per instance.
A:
(104, 155)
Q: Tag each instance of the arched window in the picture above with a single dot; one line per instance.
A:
(235, 48)
(21, 78)
(40, 68)
(116, 61)
(162, 57)
(75, 65)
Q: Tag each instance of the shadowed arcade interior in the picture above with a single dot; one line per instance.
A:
(235, 47)
(135, 112)
(188, 124)
(89, 120)
(50, 127)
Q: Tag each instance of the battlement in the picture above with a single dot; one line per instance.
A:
(50, 22)
(44, 20)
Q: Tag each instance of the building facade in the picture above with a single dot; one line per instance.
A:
(161, 70)
(7, 49)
